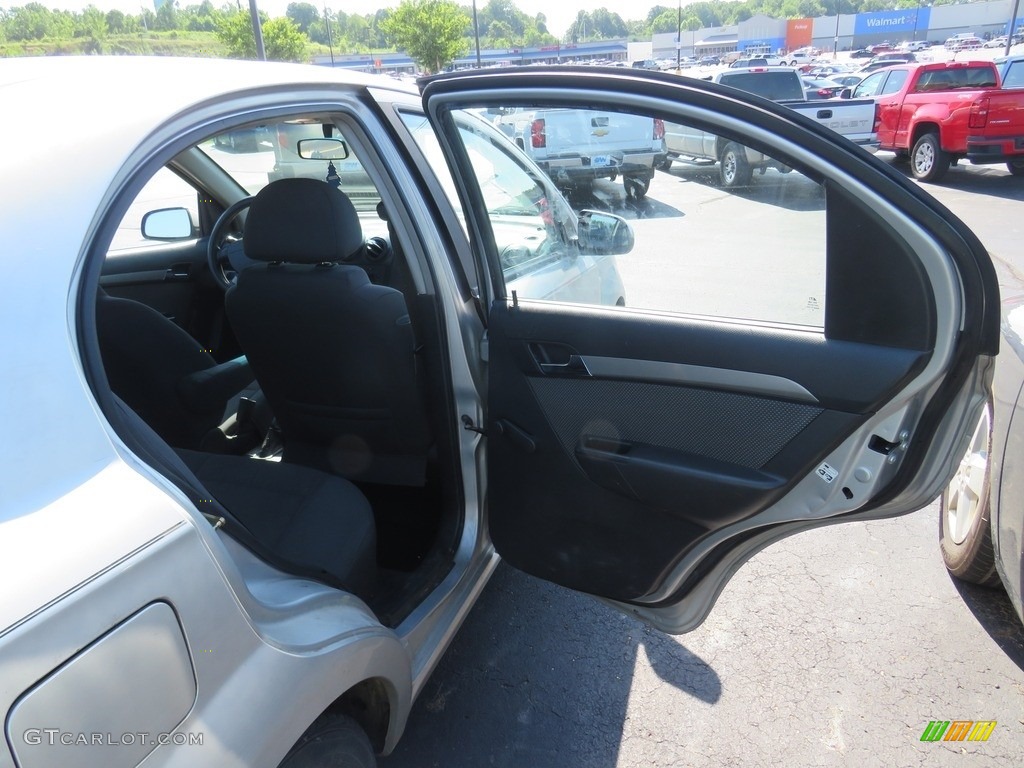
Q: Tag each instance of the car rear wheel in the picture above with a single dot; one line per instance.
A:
(928, 162)
(333, 741)
(1016, 167)
(733, 166)
(965, 534)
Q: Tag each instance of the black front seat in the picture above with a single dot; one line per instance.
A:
(334, 354)
(162, 373)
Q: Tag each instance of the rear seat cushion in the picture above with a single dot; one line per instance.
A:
(320, 521)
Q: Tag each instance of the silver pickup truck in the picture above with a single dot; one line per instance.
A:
(854, 119)
(576, 146)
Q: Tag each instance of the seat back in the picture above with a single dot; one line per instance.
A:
(145, 357)
(334, 354)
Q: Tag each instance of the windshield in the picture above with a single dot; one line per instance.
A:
(256, 155)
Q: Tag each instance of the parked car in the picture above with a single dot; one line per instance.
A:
(963, 42)
(847, 81)
(817, 89)
(748, 62)
(981, 530)
(234, 595)
(862, 53)
(996, 42)
(884, 61)
(935, 114)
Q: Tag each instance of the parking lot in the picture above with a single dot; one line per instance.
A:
(835, 647)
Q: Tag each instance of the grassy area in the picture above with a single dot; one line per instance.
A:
(196, 44)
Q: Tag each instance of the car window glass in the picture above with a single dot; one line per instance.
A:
(1014, 75)
(869, 85)
(165, 190)
(253, 157)
(895, 81)
(532, 225)
(750, 247)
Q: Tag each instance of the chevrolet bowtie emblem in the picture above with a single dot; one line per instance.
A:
(599, 132)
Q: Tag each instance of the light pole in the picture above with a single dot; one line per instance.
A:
(476, 35)
(1012, 27)
(257, 31)
(679, 35)
(835, 40)
(330, 43)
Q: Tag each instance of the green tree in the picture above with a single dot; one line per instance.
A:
(167, 16)
(667, 22)
(303, 14)
(430, 31)
(500, 35)
(282, 40)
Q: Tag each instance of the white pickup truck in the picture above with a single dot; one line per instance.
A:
(852, 118)
(576, 146)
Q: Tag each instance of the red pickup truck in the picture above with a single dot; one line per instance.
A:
(936, 114)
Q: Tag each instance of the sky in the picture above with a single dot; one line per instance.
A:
(559, 14)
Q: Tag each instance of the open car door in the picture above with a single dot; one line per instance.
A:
(721, 364)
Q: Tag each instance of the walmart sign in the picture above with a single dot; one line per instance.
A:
(883, 22)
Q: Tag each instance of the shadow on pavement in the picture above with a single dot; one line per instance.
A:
(994, 611)
(990, 180)
(792, 191)
(610, 196)
(535, 672)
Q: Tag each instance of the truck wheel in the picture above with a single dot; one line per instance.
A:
(927, 160)
(666, 164)
(636, 188)
(1016, 167)
(733, 166)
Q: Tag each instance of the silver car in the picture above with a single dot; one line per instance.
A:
(263, 450)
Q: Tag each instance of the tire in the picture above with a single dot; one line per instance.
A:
(965, 533)
(1016, 167)
(636, 188)
(666, 164)
(333, 741)
(927, 160)
(733, 167)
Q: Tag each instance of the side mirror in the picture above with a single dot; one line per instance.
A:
(604, 234)
(322, 149)
(846, 93)
(168, 224)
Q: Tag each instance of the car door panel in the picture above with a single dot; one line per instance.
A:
(703, 450)
(642, 456)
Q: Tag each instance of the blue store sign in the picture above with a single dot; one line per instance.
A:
(883, 22)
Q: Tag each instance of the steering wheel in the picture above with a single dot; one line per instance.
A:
(226, 258)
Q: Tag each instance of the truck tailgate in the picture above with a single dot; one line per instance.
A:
(996, 126)
(852, 118)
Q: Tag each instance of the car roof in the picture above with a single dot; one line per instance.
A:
(90, 116)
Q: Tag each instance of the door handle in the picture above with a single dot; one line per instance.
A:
(576, 366)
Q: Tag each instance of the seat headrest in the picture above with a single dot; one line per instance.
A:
(304, 221)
